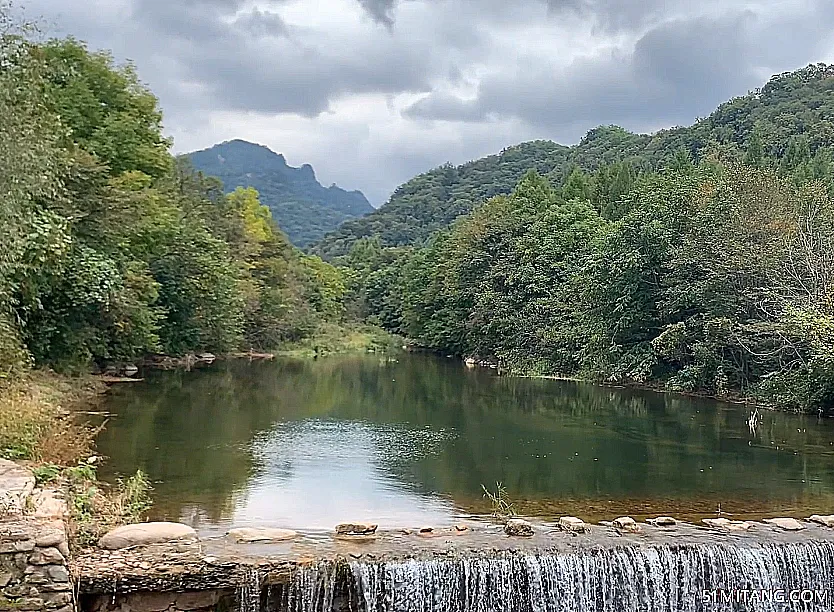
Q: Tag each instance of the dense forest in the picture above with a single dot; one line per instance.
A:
(300, 205)
(700, 259)
(792, 111)
(111, 248)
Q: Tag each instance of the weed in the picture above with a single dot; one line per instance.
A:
(48, 472)
(95, 510)
(502, 507)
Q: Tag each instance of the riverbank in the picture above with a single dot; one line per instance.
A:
(39, 421)
(336, 339)
(731, 397)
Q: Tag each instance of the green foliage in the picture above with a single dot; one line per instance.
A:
(135, 496)
(94, 511)
(46, 473)
(111, 248)
(303, 208)
(713, 279)
(785, 124)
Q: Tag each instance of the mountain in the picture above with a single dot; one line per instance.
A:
(301, 206)
(793, 107)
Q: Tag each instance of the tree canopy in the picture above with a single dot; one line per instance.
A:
(786, 123)
(112, 248)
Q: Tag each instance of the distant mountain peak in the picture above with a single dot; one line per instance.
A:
(300, 205)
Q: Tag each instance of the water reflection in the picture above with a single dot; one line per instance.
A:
(307, 444)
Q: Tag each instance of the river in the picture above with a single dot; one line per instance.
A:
(409, 440)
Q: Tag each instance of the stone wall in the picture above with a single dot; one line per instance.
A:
(188, 601)
(33, 546)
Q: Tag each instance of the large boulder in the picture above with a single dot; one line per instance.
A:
(788, 524)
(142, 534)
(261, 534)
(518, 527)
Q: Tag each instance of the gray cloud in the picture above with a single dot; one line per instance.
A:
(381, 10)
(373, 91)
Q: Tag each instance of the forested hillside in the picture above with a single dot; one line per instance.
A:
(300, 205)
(793, 114)
(699, 259)
(110, 247)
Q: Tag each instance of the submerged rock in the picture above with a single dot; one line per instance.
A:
(788, 524)
(426, 529)
(261, 534)
(573, 524)
(662, 521)
(141, 534)
(518, 527)
(626, 523)
(355, 528)
(827, 521)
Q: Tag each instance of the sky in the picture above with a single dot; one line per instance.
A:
(373, 92)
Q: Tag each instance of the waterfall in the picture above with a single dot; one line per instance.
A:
(684, 578)
(249, 592)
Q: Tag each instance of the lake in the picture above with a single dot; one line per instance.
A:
(409, 440)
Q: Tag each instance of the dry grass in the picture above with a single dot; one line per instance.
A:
(37, 423)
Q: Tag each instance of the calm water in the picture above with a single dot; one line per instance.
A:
(407, 442)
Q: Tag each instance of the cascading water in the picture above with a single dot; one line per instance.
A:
(249, 592)
(686, 578)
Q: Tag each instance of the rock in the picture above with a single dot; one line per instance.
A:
(58, 573)
(827, 521)
(788, 524)
(252, 534)
(56, 600)
(52, 538)
(518, 527)
(426, 529)
(206, 357)
(197, 600)
(63, 548)
(573, 524)
(47, 556)
(461, 528)
(5, 579)
(728, 525)
(29, 603)
(130, 370)
(16, 485)
(626, 523)
(355, 528)
(141, 534)
(24, 546)
(49, 504)
(470, 362)
(662, 521)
